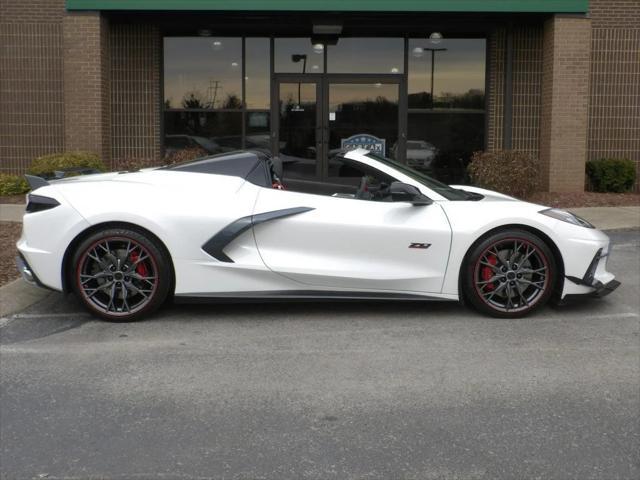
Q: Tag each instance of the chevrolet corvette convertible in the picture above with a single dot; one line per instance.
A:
(244, 225)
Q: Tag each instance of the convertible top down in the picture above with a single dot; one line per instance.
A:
(245, 225)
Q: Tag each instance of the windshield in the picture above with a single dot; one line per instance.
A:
(441, 188)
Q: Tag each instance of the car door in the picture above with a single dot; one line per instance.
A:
(341, 242)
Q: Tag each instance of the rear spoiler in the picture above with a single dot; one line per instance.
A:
(37, 182)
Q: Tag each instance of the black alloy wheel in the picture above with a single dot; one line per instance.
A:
(510, 274)
(120, 274)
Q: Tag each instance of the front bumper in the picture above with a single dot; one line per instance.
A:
(604, 289)
(597, 281)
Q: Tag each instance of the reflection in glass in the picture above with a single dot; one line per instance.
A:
(366, 55)
(202, 73)
(459, 73)
(257, 74)
(298, 55)
(440, 144)
(369, 109)
(258, 131)
(208, 132)
(297, 135)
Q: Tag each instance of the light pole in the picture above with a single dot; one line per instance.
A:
(296, 58)
(433, 63)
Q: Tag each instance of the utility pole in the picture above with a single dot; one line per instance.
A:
(212, 93)
(433, 64)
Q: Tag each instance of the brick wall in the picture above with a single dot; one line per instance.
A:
(527, 80)
(614, 108)
(565, 100)
(619, 14)
(495, 89)
(87, 83)
(527, 84)
(31, 81)
(135, 92)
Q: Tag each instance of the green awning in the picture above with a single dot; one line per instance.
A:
(506, 6)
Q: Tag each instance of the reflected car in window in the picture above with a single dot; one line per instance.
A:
(419, 153)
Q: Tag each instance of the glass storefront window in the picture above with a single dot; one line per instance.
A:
(440, 144)
(208, 132)
(446, 119)
(366, 55)
(257, 73)
(203, 73)
(298, 55)
(258, 130)
(459, 73)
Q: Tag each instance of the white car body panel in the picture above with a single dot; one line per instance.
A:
(341, 245)
(368, 245)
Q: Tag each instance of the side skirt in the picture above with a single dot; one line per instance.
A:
(301, 296)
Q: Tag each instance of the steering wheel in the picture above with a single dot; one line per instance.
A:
(383, 192)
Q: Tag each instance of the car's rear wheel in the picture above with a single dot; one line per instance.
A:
(121, 274)
(510, 274)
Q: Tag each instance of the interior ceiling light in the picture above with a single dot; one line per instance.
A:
(435, 38)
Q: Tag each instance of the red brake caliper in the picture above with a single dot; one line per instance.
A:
(141, 268)
(487, 272)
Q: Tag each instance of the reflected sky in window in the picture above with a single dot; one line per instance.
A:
(458, 70)
(366, 55)
(298, 55)
(202, 72)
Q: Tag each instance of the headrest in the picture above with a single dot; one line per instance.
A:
(276, 163)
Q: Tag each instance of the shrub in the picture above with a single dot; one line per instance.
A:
(185, 155)
(133, 164)
(13, 184)
(511, 172)
(611, 174)
(46, 165)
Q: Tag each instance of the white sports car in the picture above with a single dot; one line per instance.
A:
(233, 226)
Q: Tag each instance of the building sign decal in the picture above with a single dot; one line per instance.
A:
(366, 141)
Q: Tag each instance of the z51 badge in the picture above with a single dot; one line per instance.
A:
(420, 245)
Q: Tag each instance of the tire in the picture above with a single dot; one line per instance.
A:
(509, 274)
(120, 274)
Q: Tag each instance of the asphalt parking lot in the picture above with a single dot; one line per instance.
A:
(324, 391)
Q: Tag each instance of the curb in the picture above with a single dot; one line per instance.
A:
(11, 212)
(19, 295)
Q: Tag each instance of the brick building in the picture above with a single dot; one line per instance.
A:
(424, 81)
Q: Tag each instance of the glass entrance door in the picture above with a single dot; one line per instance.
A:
(317, 116)
(362, 115)
(297, 130)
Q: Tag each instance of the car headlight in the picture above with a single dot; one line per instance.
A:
(566, 217)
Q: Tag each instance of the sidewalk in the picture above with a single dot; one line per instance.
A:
(610, 218)
(604, 218)
(10, 212)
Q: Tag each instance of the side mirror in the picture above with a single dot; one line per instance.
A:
(403, 192)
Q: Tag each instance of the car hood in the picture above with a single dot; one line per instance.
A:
(489, 195)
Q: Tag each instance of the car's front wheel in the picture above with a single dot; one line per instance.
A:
(509, 274)
(121, 274)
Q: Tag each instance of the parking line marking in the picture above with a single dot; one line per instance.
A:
(50, 315)
(614, 316)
